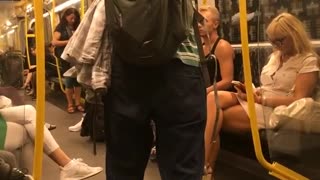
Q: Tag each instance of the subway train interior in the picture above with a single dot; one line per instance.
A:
(32, 74)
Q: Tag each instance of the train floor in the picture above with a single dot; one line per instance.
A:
(82, 147)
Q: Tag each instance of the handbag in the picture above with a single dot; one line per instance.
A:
(302, 115)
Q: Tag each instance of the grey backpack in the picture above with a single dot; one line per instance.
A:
(148, 32)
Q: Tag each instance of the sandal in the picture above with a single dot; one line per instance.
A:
(207, 173)
(153, 154)
(70, 109)
(79, 108)
(207, 170)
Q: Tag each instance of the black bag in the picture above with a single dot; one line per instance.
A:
(9, 173)
(148, 32)
(10, 64)
(93, 122)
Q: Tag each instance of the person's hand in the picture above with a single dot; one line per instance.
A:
(209, 89)
(241, 94)
(256, 95)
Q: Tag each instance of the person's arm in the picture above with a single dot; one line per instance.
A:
(225, 55)
(305, 86)
(56, 41)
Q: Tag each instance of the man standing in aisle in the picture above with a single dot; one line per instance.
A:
(172, 93)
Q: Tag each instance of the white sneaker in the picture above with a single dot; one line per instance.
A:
(76, 127)
(78, 170)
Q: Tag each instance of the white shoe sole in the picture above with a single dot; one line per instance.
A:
(98, 170)
(76, 127)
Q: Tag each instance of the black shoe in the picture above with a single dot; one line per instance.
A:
(50, 126)
(9, 173)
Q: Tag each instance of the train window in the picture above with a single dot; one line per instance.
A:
(292, 143)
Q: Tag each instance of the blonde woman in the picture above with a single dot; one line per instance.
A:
(290, 74)
(215, 45)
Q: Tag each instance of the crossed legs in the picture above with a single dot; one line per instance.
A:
(232, 118)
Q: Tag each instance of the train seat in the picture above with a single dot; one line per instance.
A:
(294, 149)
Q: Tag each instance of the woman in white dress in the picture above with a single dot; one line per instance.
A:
(290, 74)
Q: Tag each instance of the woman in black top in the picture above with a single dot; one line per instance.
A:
(63, 32)
(220, 48)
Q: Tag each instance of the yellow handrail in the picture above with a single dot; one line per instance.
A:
(53, 17)
(82, 8)
(38, 152)
(26, 36)
(275, 169)
(53, 20)
(59, 73)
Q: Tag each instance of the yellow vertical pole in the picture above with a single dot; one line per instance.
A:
(40, 104)
(26, 36)
(53, 16)
(82, 5)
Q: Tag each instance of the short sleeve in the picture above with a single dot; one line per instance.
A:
(59, 28)
(310, 64)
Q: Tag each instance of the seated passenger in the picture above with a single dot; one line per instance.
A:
(21, 124)
(29, 72)
(29, 67)
(50, 63)
(290, 74)
(213, 44)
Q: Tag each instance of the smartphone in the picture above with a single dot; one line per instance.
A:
(239, 85)
(236, 83)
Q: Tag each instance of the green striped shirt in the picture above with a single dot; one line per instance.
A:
(188, 50)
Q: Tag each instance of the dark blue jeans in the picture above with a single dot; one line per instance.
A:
(174, 96)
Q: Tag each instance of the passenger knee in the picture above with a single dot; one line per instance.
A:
(30, 110)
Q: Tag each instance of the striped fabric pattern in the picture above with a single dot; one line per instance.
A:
(188, 51)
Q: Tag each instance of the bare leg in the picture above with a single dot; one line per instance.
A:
(239, 125)
(211, 145)
(59, 157)
(77, 95)
(226, 99)
(28, 80)
(69, 93)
